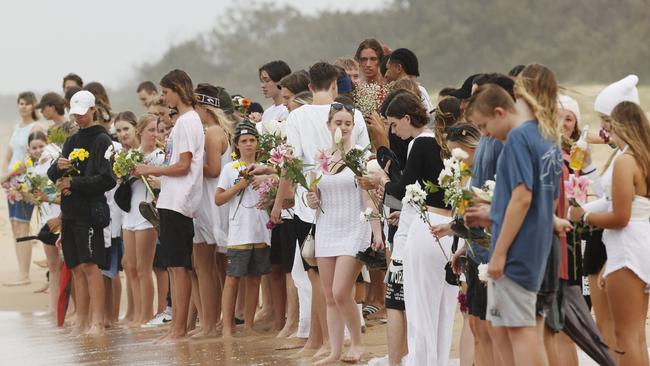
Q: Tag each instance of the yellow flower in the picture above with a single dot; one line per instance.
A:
(17, 166)
(73, 155)
(235, 165)
(83, 154)
(463, 166)
(462, 206)
(29, 163)
(233, 155)
(22, 187)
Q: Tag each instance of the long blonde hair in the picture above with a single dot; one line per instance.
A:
(631, 125)
(537, 86)
(221, 119)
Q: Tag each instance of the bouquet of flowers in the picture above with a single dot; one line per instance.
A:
(266, 143)
(416, 197)
(576, 189)
(267, 192)
(241, 104)
(125, 162)
(369, 96)
(451, 180)
(76, 157)
(25, 185)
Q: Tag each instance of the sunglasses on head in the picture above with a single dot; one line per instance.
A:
(455, 132)
(341, 106)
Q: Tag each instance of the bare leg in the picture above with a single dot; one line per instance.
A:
(162, 287)
(528, 344)
(54, 266)
(277, 279)
(116, 284)
(347, 270)
(23, 252)
(207, 288)
(629, 315)
(241, 300)
(335, 322)
(396, 336)
(315, 339)
(181, 292)
(130, 264)
(291, 325)
(466, 347)
(604, 318)
(551, 347)
(145, 250)
(567, 350)
(108, 302)
(229, 297)
(96, 292)
(501, 345)
(252, 293)
(82, 302)
(482, 341)
(265, 313)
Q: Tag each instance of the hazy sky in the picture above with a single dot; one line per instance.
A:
(42, 40)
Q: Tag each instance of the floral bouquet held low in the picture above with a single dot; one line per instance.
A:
(451, 180)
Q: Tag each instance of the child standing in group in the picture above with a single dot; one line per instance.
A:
(248, 238)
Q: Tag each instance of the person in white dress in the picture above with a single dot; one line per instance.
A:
(627, 226)
(340, 235)
(138, 234)
(211, 222)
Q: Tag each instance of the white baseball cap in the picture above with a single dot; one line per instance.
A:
(80, 102)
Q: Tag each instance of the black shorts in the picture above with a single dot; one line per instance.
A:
(302, 230)
(83, 244)
(283, 245)
(46, 236)
(176, 234)
(476, 291)
(595, 253)
(157, 257)
(395, 287)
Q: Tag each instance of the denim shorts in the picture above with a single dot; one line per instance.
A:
(20, 211)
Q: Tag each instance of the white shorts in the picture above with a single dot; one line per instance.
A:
(139, 227)
(202, 235)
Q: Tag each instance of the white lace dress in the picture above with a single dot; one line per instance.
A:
(339, 230)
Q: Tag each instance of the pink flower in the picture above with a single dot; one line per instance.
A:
(323, 161)
(279, 155)
(576, 188)
(270, 225)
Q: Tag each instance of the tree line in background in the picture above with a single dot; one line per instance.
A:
(583, 41)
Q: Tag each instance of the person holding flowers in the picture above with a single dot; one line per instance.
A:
(20, 212)
(83, 175)
(248, 250)
(340, 235)
(627, 226)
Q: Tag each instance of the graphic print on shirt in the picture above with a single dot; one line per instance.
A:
(551, 168)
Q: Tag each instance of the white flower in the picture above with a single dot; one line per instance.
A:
(459, 154)
(362, 217)
(444, 174)
(272, 127)
(489, 186)
(415, 194)
(109, 152)
(483, 272)
(338, 136)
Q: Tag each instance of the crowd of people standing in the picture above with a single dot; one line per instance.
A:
(228, 234)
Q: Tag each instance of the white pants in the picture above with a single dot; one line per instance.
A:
(430, 301)
(301, 281)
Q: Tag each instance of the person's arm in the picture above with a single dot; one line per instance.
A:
(215, 145)
(285, 185)
(224, 196)
(377, 237)
(623, 192)
(178, 169)
(103, 179)
(5, 164)
(516, 211)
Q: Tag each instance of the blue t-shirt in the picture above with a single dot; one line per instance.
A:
(529, 159)
(484, 168)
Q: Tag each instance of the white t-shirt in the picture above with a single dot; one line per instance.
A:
(183, 194)
(277, 112)
(247, 224)
(116, 212)
(307, 133)
(426, 99)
